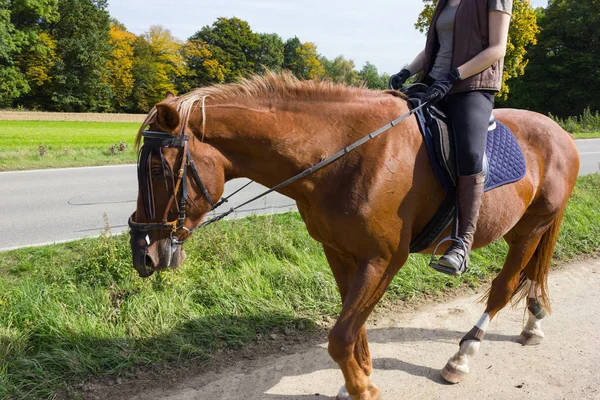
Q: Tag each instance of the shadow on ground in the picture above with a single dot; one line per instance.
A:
(255, 378)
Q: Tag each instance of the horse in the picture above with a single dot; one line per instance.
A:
(364, 208)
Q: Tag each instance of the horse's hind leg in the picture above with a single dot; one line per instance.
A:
(536, 272)
(532, 333)
(524, 242)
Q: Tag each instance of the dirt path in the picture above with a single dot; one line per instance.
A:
(409, 348)
(78, 117)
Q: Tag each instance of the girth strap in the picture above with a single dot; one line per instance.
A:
(436, 226)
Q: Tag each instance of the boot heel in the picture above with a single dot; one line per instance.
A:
(448, 270)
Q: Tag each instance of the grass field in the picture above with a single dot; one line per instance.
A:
(67, 144)
(73, 310)
(77, 144)
(587, 135)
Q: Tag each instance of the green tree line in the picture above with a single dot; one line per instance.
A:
(563, 73)
(69, 55)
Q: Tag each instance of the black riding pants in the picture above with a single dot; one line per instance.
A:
(469, 113)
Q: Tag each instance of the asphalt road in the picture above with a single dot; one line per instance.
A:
(589, 151)
(47, 206)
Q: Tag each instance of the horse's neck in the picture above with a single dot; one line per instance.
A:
(271, 145)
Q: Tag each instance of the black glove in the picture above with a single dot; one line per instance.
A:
(441, 87)
(397, 80)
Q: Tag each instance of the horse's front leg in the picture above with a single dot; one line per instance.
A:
(344, 269)
(347, 340)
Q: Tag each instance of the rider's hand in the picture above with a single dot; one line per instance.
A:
(441, 87)
(397, 80)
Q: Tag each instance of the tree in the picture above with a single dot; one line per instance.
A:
(563, 73)
(302, 59)
(269, 52)
(232, 44)
(291, 58)
(385, 79)
(158, 67)
(370, 76)
(144, 75)
(522, 32)
(201, 66)
(26, 50)
(426, 16)
(80, 78)
(341, 70)
(310, 67)
(120, 66)
(37, 60)
(166, 54)
(12, 81)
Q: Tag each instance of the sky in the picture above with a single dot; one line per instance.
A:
(379, 31)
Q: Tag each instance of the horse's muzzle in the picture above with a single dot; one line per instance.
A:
(142, 261)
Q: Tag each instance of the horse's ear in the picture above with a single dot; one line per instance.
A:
(167, 117)
(169, 95)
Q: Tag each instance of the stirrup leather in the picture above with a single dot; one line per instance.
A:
(449, 270)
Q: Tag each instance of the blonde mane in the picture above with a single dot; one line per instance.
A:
(254, 89)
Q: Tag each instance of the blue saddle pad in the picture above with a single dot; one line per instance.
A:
(506, 163)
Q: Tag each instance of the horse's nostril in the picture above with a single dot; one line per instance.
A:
(148, 262)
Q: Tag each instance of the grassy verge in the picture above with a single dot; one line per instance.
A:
(78, 144)
(587, 135)
(65, 144)
(78, 309)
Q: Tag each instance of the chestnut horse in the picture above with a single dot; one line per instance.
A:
(366, 207)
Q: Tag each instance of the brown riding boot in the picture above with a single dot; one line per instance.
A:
(470, 194)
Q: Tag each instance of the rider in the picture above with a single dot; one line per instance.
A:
(462, 64)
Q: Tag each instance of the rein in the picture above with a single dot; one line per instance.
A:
(156, 139)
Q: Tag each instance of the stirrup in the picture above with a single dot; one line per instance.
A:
(447, 270)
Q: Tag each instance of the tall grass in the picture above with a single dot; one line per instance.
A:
(78, 309)
(588, 122)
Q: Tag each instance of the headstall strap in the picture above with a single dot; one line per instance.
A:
(153, 140)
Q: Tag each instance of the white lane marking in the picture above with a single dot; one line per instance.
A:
(585, 140)
(588, 153)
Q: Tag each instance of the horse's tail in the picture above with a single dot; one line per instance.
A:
(538, 268)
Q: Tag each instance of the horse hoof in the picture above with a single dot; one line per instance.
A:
(530, 339)
(370, 394)
(343, 394)
(453, 375)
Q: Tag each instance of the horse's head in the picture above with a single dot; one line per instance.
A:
(179, 180)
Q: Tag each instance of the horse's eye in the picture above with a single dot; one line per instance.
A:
(157, 171)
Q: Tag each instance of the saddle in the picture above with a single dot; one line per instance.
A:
(503, 161)
(440, 136)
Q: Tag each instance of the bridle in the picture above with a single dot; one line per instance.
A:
(154, 142)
